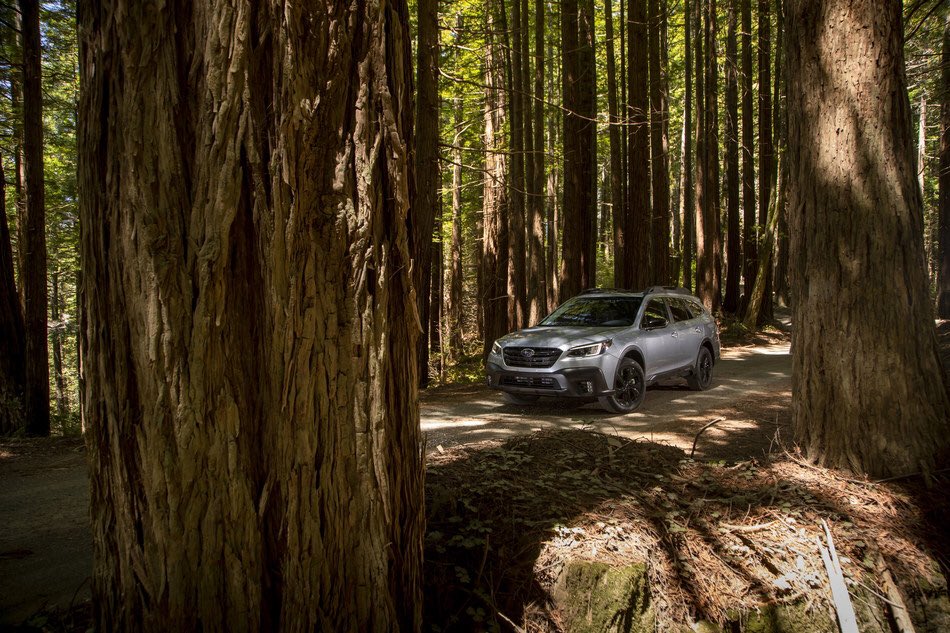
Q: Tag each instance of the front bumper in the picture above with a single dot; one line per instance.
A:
(579, 382)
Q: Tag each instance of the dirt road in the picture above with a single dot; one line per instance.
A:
(745, 378)
(45, 544)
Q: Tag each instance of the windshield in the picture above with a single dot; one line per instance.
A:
(596, 311)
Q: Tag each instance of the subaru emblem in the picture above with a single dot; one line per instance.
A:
(527, 352)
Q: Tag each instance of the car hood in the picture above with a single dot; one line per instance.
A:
(563, 337)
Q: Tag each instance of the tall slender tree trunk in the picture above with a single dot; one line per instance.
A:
(552, 192)
(517, 260)
(733, 248)
(453, 304)
(250, 330)
(699, 178)
(33, 242)
(59, 378)
(659, 141)
(494, 301)
(780, 126)
(537, 281)
(687, 203)
(869, 393)
(766, 151)
(707, 227)
(426, 168)
(922, 144)
(749, 221)
(616, 151)
(13, 358)
(578, 260)
(943, 181)
(637, 268)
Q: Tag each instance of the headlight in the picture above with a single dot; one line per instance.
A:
(594, 349)
(496, 349)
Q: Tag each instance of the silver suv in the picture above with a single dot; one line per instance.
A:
(610, 345)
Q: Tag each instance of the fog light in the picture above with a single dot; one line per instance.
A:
(585, 386)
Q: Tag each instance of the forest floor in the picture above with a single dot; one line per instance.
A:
(515, 492)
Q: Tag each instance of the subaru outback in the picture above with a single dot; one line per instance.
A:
(609, 345)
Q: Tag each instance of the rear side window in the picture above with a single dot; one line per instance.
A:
(695, 307)
(679, 308)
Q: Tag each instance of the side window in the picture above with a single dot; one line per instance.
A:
(654, 316)
(695, 308)
(679, 308)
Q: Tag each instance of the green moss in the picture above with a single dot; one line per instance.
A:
(597, 598)
(793, 618)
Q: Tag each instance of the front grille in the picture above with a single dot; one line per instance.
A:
(531, 356)
(529, 381)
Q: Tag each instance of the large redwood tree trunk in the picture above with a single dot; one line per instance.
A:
(33, 230)
(868, 388)
(943, 236)
(13, 358)
(637, 235)
(250, 328)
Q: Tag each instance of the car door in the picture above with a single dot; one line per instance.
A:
(688, 329)
(656, 338)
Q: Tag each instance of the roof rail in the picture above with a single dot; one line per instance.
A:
(670, 289)
(592, 291)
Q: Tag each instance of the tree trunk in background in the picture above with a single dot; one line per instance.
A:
(13, 358)
(780, 126)
(687, 206)
(453, 303)
(517, 260)
(578, 259)
(749, 221)
(733, 249)
(943, 237)
(59, 379)
(552, 189)
(659, 142)
(426, 168)
(637, 269)
(251, 327)
(537, 282)
(699, 179)
(436, 292)
(868, 388)
(922, 144)
(707, 229)
(766, 152)
(494, 300)
(616, 156)
(33, 233)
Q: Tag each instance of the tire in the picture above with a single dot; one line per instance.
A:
(629, 388)
(700, 379)
(519, 398)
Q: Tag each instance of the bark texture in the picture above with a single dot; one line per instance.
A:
(659, 143)
(494, 299)
(749, 221)
(617, 204)
(688, 193)
(250, 321)
(943, 232)
(13, 358)
(868, 388)
(637, 269)
(425, 168)
(33, 231)
(733, 248)
(766, 141)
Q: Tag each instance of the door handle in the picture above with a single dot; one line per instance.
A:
(698, 330)
(674, 335)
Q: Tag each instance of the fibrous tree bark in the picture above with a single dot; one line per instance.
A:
(637, 236)
(250, 320)
(733, 248)
(616, 151)
(33, 229)
(426, 167)
(699, 164)
(579, 209)
(707, 222)
(537, 286)
(659, 142)
(868, 388)
(943, 237)
(514, 75)
(749, 221)
(687, 202)
(453, 297)
(494, 299)
(13, 359)
(780, 272)
(766, 142)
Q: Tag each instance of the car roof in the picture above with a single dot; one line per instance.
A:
(621, 292)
